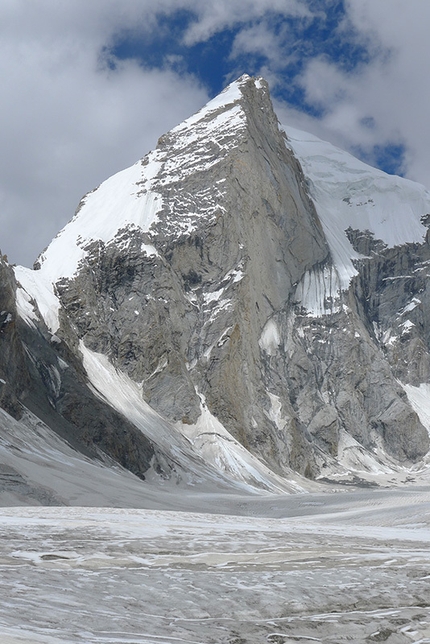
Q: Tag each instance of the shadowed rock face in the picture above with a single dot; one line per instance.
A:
(203, 308)
(41, 374)
(14, 377)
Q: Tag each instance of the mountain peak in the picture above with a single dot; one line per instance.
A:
(245, 87)
(133, 197)
(239, 284)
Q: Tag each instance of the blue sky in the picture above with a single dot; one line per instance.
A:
(285, 44)
(221, 58)
(91, 86)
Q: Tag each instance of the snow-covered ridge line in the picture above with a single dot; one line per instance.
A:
(133, 196)
(228, 96)
(125, 199)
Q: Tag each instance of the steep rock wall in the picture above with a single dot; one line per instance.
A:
(229, 300)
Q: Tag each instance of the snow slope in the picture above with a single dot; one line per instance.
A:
(208, 438)
(349, 193)
(131, 197)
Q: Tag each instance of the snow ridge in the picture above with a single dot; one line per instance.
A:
(133, 196)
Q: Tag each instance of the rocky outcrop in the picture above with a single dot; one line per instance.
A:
(14, 376)
(393, 296)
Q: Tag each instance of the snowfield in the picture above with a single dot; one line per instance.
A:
(351, 567)
(348, 193)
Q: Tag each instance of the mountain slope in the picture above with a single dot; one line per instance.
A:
(249, 288)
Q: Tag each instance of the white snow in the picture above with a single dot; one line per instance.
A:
(411, 306)
(217, 446)
(213, 296)
(407, 326)
(116, 388)
(355, 458)
(54, 472)
(347, 192)
(419, 397)
(270, 338)
(275, 412)
(320, 568)
(233, 276)
(124, 199)
(25, 307)
(318, 291)
(207, 440)
(149, 249)
(34, 285)
(222, 339)
(229, 95)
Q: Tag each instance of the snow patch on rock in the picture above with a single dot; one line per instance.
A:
(207, 438)
(419, 397)
(218, 447)
(270, 338)
(318, 291)
(33, 285)
(122, 200)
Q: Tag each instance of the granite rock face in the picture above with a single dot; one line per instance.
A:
(199, 298)
(189, 320)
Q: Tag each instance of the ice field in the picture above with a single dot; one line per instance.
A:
(334, 567)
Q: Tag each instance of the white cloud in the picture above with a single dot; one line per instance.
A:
(349, 116)
(391, 92)
(215, 16)
(68, 121)
(259, 39)
(399, 91)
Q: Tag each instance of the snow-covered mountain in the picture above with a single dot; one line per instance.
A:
(246, 306)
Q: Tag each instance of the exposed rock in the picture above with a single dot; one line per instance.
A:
(45, 377)
(219, 291)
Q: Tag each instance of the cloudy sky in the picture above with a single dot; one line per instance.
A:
(89, 86)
